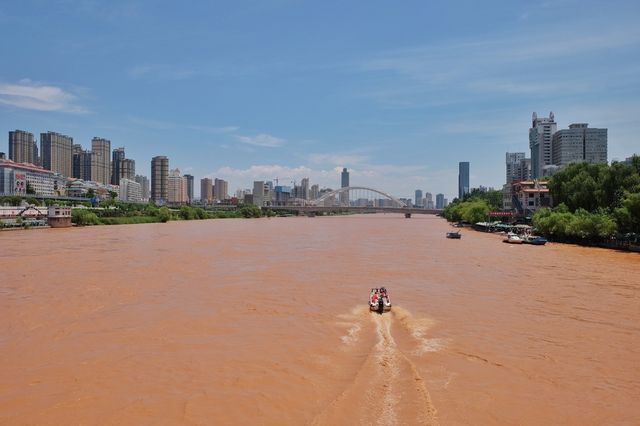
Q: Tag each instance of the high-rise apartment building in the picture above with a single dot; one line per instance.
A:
(101, 160)
(116, 156)
(304, 189)
(177, 188)
(261, 193)
(159, 179)
(463, 179)
(144, 185)
(130, 191)
(418, 198)
(206, 190)
(127, 169)
(81, 163)
(428, 201)
(57, 153)
(189, 179)
(540, 140)
(439, 201)
(512, 164)
(220, 189)
(314, 192)
(22, 147)
(579, 143)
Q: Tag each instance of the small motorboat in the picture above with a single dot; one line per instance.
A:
(456, 235)
(379, 300)
(512, 238)
(535, 240)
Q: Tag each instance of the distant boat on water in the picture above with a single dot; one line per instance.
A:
(456, 235)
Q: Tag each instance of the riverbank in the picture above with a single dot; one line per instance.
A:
(613, 243)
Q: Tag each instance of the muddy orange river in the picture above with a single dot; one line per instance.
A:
(265, 322)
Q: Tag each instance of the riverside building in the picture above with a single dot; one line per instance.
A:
(117, 156)
(81, 163)
(344, 182)
(22, 147)
(220, 189)
(159, 179)
(579, 143)
(189, 179)
(177, 188)
(100, 161)
(206, 191)
(130, 191)
(144, 184)
(463, 179)
(18, 178)
(540, 140)
(57, 153)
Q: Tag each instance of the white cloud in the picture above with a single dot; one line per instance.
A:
(36, 96)
(262, 139)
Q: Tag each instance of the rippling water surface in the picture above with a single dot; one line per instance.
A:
(264, 322)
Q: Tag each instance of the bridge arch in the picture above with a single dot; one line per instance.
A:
(353, 189)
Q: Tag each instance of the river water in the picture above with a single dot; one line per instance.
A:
(265, 322)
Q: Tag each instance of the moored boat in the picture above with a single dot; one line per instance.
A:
(512, 238)
(534, 240)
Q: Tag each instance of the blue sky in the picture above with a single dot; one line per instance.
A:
(398, 92)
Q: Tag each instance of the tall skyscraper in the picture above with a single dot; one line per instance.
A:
(177, 188)
(314, 192)
(304, 189)
(189, 179)
(428, 201)
(463, 178)
(261, 193)
(344, 178)
(540, 139)
(579, 143)
(101, 160)
(418, 197)
(220, 189)
(512, 163)
(144, 185)
(127, 169)
(81, 163)
(57, 153)
(22, 147)
(159, 179)
(439, 201)
(116, 157)
(206, 190)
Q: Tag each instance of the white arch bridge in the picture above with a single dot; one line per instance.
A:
(353, 199)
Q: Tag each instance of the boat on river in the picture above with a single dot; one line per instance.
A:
(512, 238)
(379, 300)
(456, 235)
(534, 240)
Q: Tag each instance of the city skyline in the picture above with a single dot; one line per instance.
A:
(226, 92)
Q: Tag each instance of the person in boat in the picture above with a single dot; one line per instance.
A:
(383, 292)
(374, 296)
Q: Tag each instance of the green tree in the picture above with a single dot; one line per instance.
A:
(164, 214)
(84, 217)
